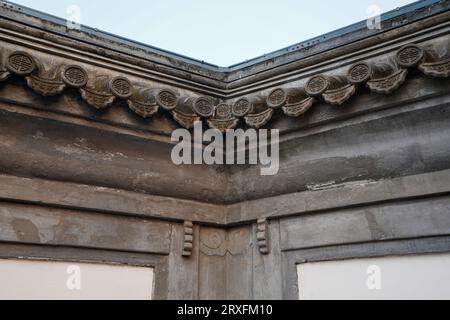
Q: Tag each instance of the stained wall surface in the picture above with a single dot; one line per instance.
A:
(86, 175)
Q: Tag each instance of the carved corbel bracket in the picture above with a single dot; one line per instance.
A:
(167, 99)
(143, 102)
(386, 78)
(259, 120)
(203, 107)
(184, 114)
(97, 93)
(100, 87)
(188, 238)
(293, 101)
(121, 87)
(297, 109)
(262, 235)
(436, 64)
(317, 85)
(242, 107)
(44, 86)
(46, 79)
(20, 63)
(340, 95)
(223, 118)
(409, 56)
(338, 91)
(74, 76)
(440, 69)
(359, 73)
(280, 97)
(260, 114)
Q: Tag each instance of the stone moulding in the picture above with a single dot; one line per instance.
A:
(257, 110)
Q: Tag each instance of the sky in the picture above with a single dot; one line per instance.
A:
(221, 32)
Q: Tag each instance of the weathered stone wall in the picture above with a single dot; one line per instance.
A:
(86, 174)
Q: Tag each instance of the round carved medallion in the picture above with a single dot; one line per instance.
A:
(121, 87)
(20, 63)
(317, 85)
(276, 98)
(409, 56)
(359, 73)
(167, 99)
(203, 107)
(242, 107)
(74, 76)
(223, 111)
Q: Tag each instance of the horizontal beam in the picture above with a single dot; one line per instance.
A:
(118, 202)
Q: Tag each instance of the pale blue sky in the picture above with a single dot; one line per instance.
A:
(221, 32)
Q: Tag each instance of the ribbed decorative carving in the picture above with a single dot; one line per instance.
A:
(188, 239)
(262, 235)
(257, 110)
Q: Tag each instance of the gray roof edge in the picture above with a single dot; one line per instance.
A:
(103, 34)
(212, 67)
(337, 33)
